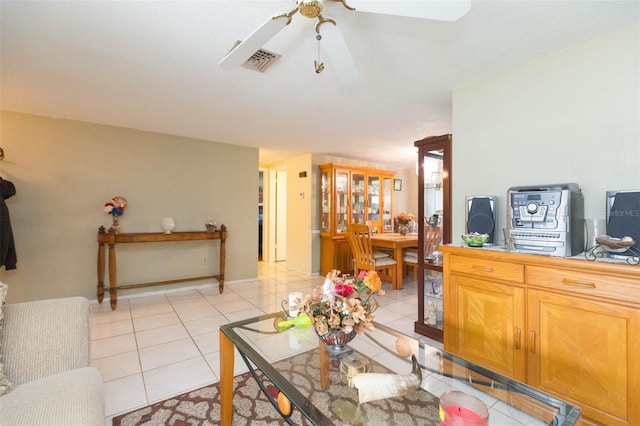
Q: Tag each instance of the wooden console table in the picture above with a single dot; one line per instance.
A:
(112, 239)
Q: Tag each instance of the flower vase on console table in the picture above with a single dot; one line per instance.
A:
(115, 207)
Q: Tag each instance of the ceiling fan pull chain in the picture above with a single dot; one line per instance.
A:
(319, 65)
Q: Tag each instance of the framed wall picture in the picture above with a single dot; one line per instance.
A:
(397, 184)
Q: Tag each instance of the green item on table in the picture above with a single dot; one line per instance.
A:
(302, 320)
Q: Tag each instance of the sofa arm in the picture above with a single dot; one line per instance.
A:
(45, 337)
(74, 398)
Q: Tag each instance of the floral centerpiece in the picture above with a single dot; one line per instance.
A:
(342, 306)
(403, 220)
(115, 207)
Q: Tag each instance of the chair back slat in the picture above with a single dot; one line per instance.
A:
(360, 241)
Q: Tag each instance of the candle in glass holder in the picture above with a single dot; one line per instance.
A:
(459, 409)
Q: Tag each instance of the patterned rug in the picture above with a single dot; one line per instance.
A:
(251, 407)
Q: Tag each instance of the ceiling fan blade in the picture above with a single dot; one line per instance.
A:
(238, 55)
(441, 10)
(336, 49)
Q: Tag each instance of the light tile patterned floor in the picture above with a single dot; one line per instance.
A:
(159, 345)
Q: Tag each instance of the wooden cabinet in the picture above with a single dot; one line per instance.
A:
(490, 319)
(568, 327)
(351, 195)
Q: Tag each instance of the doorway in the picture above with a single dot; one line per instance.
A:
(281, 216)
(274, 244)
(260, 212)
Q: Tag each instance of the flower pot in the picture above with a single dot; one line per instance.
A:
(403, 228)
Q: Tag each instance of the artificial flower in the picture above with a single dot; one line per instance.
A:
(115, 207)
(343, 303)
(405, 218)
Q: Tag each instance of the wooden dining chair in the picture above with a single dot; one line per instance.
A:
(432, 237)
(365, 258)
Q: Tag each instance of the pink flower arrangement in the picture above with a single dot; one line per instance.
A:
(343, 303)
(405, 218)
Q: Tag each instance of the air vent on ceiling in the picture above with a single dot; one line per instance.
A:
(259, 61)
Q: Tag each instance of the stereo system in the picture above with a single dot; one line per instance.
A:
(480, 215)
(546, 219)
(549, 219)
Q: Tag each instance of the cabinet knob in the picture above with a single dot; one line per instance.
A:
(518, 338)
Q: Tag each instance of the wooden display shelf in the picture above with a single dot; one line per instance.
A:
(111, 239)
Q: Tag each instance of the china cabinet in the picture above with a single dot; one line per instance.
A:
(434, 210)
(568, 327)
(351, 195)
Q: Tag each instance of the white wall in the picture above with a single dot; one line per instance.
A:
(64, 171)
(573, 116)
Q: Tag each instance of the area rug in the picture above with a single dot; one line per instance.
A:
(251, 407)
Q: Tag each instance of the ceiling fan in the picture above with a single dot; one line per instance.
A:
(332, 41)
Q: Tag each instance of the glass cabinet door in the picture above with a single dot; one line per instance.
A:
(358, 201)
(434, 212)
(387, 214)
(342, 200)
(325, 214)
(373, 201)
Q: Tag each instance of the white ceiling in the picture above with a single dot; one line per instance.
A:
(152, 65)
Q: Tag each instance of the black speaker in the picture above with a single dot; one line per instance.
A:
(480, 214)
(623, 216)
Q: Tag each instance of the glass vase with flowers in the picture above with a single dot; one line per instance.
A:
(342, 307)
(403, 220)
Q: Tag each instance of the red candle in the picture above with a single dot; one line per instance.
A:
(460, 409)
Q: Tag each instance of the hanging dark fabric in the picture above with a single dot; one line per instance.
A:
(8, 256)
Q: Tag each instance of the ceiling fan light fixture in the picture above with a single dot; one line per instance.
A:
(310, 8)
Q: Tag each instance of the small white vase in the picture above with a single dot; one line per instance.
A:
(168, 224)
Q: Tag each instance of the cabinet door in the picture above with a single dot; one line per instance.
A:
(484, 322)
(342, 200)
(585, 352)
(374, 202)
(387, 203)
(358, 200)
(326, 194)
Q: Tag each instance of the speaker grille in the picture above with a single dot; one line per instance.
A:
(481, 216)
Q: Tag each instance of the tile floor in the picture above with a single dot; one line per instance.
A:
(162, 344)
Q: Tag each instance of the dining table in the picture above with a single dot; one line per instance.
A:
(397, 243)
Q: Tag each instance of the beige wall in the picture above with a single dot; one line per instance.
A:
(300, 212)
(569, 117)
(64, 171)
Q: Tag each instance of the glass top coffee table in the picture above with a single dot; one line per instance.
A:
(318, 386)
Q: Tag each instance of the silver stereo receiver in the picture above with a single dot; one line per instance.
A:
(546, 219)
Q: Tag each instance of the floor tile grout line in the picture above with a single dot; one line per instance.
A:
(276, 283)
